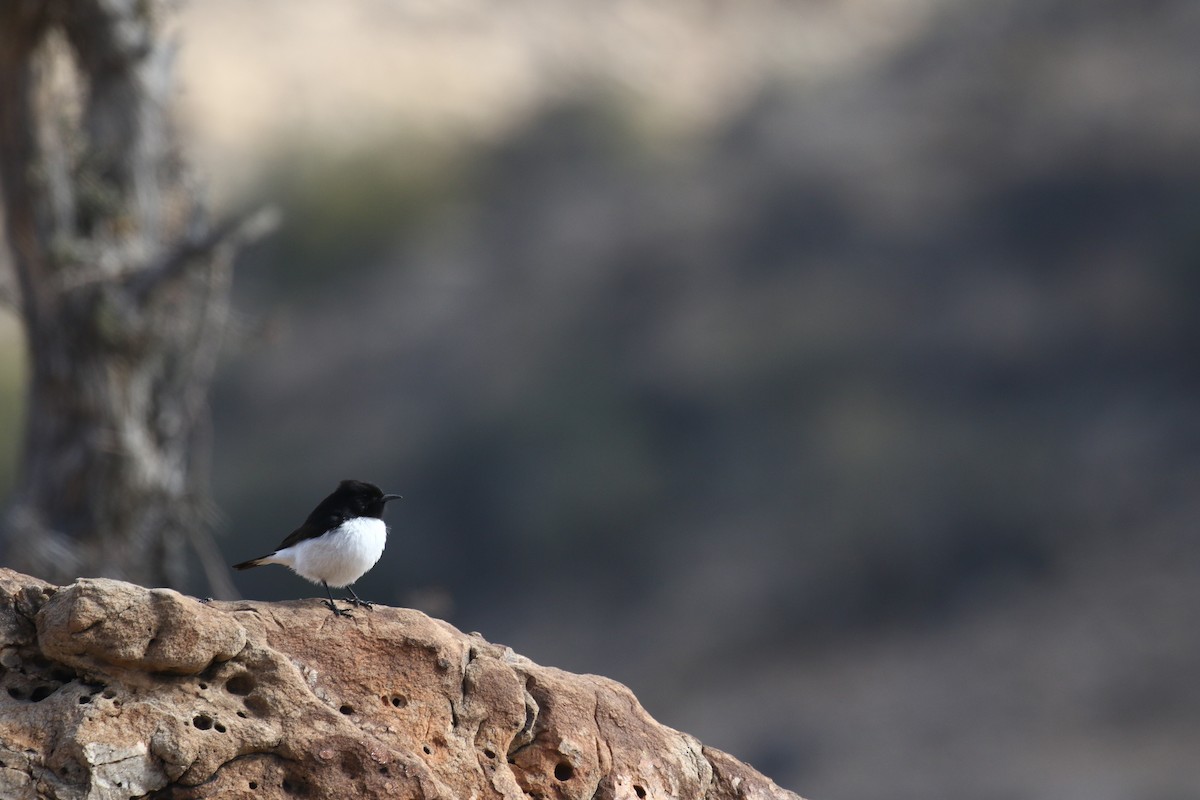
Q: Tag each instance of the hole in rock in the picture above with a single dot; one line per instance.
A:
(639, 791)
(14, 693)
(383, 770)
(490, 753)
(203, 685)
(242, 714)
(428, 752)
(218, 727)
(351, 764)
(109, 694)
(63, 675)
(297, 785)
(87, 698)
(41, 693)
(241, 684)
(399, 701)
(202, 721)
(563, 771)
(347, 709)
(253, 784)
(257, 705)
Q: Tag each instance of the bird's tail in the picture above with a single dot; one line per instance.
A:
(254, 562)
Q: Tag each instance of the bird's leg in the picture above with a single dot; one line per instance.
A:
(354, 599)
(337, 612)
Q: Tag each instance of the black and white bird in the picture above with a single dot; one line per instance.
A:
(341, 539)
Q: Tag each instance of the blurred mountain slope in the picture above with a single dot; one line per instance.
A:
(858, 434)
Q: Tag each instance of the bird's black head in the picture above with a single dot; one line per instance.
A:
(360, 499)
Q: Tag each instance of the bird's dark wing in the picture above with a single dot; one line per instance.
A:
(328, 515)
(308, 530)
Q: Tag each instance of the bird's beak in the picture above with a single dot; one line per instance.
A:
(387, 497)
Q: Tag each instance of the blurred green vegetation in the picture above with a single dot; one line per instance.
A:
(343, 211)
(346, 211)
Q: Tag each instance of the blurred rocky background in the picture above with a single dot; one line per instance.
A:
(824, 371)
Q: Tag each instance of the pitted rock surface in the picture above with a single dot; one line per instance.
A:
(110, 690)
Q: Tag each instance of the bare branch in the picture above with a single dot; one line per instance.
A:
(234, 231)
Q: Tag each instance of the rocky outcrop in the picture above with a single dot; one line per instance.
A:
(111, 690)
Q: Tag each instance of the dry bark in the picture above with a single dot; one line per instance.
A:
(123, 293)
(111, 690)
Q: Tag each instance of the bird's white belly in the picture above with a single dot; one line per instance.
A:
(340, 557)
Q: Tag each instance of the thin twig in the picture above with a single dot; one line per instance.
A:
(233, 231)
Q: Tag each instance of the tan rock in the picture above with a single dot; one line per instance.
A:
(96, 621)
(110, 690)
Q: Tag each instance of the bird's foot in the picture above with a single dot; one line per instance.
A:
(358, 602)
(337, 612)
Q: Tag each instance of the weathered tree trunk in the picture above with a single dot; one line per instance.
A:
(123, 295)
